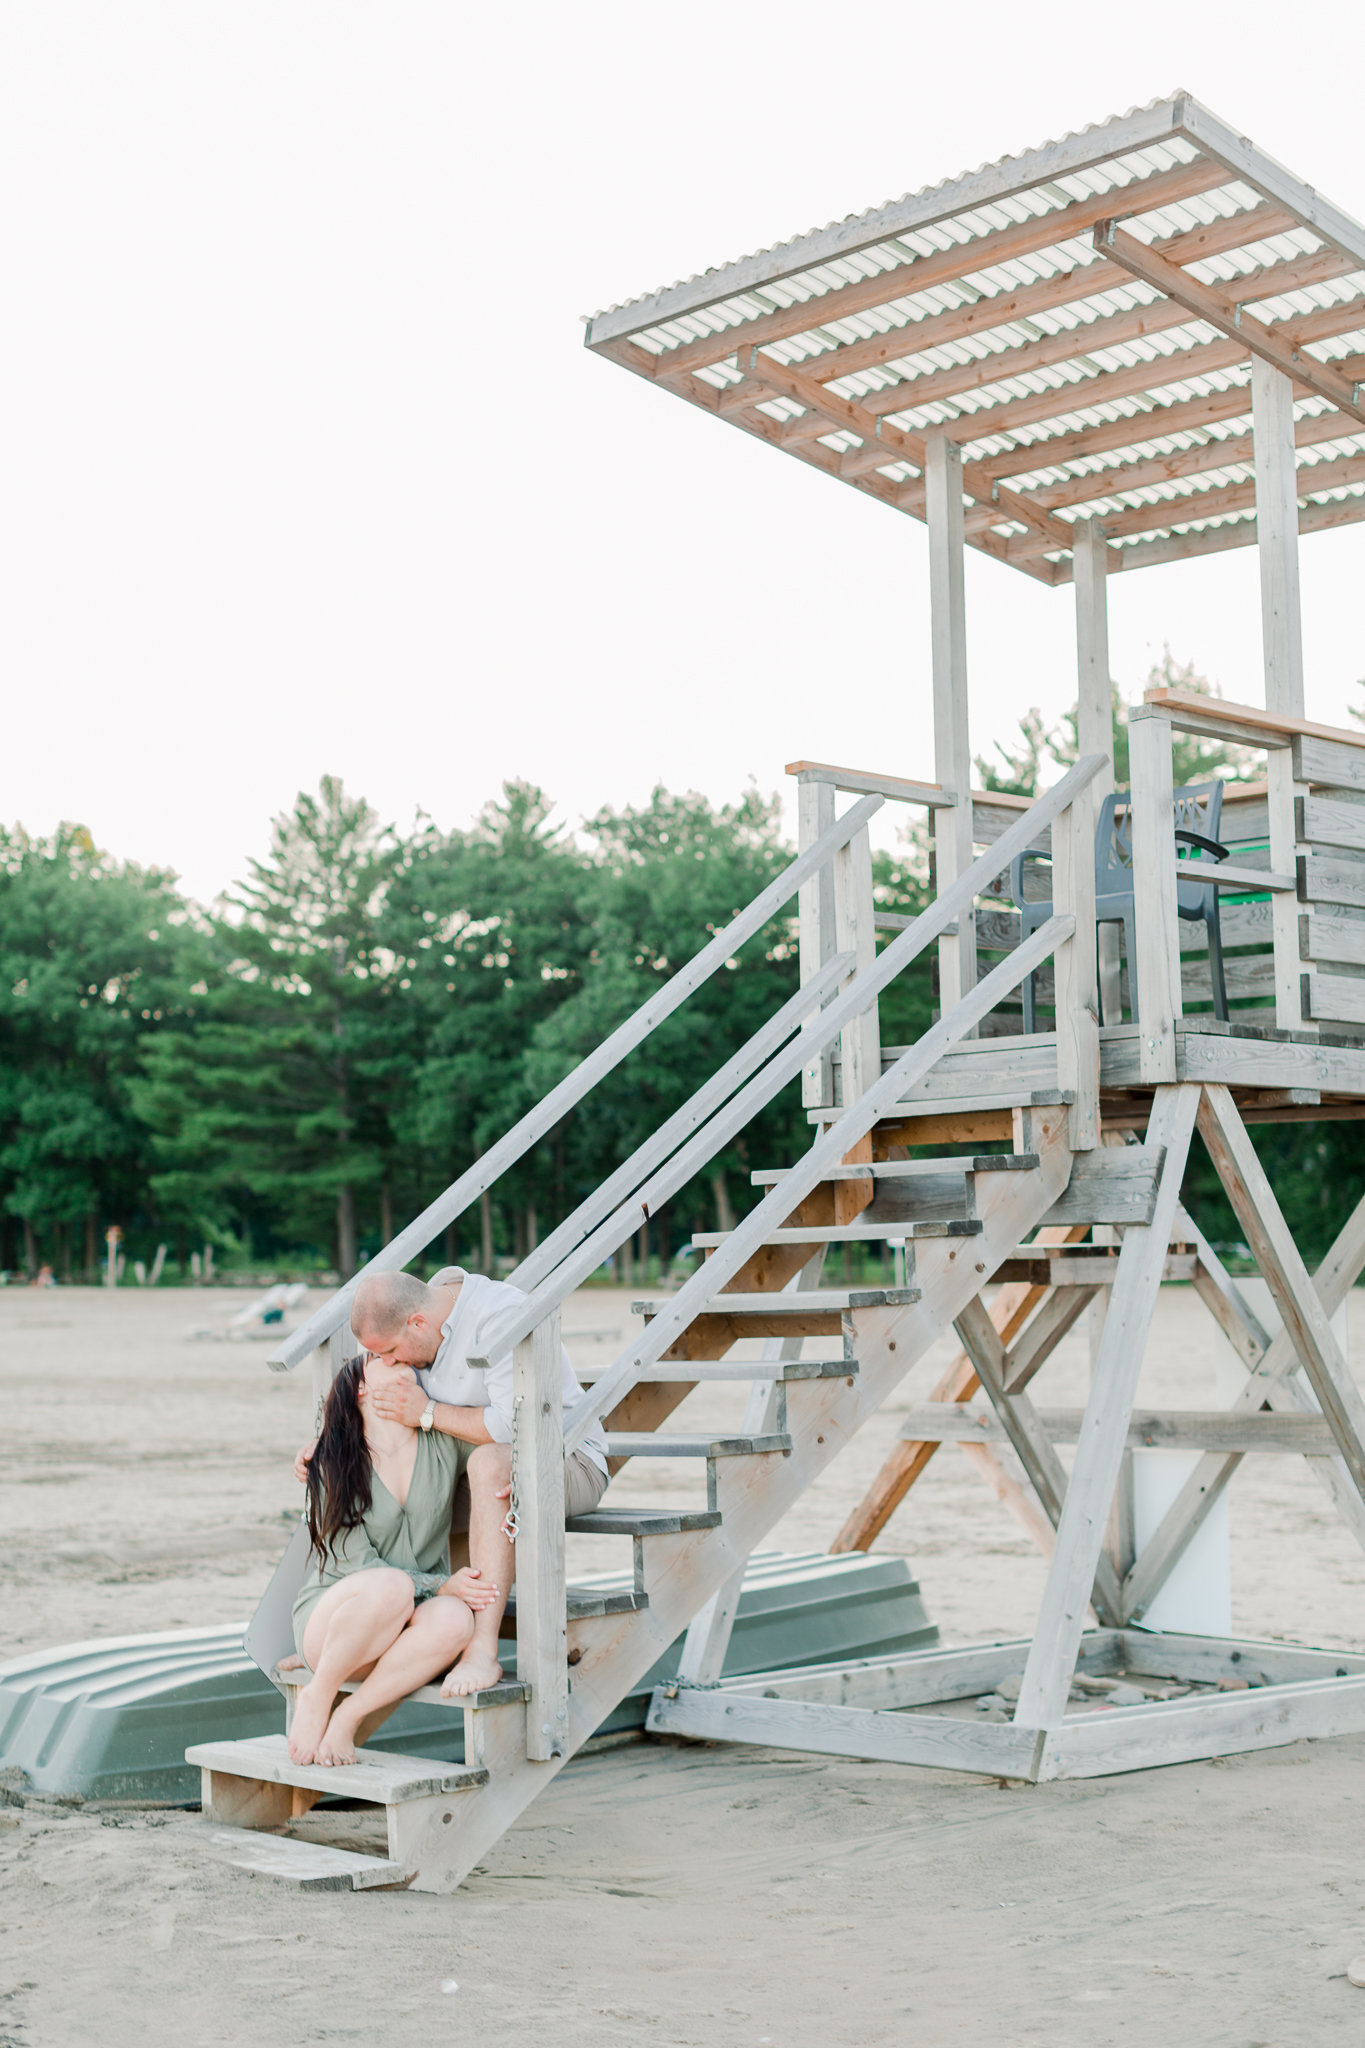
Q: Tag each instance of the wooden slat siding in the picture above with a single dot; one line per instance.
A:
(1243, 1062)
(1305, 1318)
(1333, 935)
(1333, 999)
(1221, 311)
(1068, 288)
(1329, 758)
(1340, 882)
(1331, 821)
(1154, 881)
(1222, 1724)
(1080, 1534)
(815, 928)
(983, 252)
(1149, 1429)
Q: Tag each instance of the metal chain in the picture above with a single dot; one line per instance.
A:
(512, 1519)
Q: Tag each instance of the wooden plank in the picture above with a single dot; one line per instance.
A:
(1329, 758)
(1148, 1738)
(1253, 167)
(860, 1046)
(1222, 1297)
(1272, 724)
(538, 1480)
(1116, 1185)
(815, 929)
(1097, 1269)
(1332, 934)
(308, 1866)
(996, 1749)
(1160, 1654)
(952, 742)
(1075, 963)
(1224, 313)
(1178, 1429)
(531, 1128)
(1080, 1534)
(1225, 874)
(1331, 881)
(916, 1678)
(862, 782)
(1061, 1310)
(1154, 882)
(1305, 1319)
(1331, 821)
(1333, 998)
(376, 1776)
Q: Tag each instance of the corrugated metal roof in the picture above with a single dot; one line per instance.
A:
(989, 308)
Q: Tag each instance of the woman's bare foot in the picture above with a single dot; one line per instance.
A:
(337, 1745)
(474, 1671)
(291, 1664)
(312, 1710)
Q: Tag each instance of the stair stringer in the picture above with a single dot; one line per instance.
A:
(755, 1492)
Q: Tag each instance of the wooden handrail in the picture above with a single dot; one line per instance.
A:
(1279, 723)
(861, 781)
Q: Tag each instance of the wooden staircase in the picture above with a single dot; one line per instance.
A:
(956, 1222)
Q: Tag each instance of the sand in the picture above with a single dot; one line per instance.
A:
(682, 1893)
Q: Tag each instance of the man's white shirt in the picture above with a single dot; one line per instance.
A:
(483, 1308)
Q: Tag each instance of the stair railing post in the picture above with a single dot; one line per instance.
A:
(860, 1045)
(815, 799)
(1156, 916)
(1075, 969)
(538, 1497)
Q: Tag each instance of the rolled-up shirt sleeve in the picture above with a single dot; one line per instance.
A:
(497, 1416)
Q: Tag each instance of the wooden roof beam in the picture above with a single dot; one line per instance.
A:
(1221, 503)
(1225, 313)
(1021, 238)
(1213, 540)
(1161, 469)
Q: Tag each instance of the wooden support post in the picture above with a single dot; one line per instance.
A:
(538, 1469)
(1104, 1432)
(1095, 715)
(860, 1051)
(952, 743)
(815, 913)
(1272, 1245)
(1157, 979)
(1077, 989)
(1277, 549)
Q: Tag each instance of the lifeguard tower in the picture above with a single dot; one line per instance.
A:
(1134, 345)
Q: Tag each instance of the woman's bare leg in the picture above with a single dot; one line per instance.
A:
(434, 1637)
(489, 1471)
(353, 1624)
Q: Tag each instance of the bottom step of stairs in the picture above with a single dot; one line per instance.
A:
(308, 1866)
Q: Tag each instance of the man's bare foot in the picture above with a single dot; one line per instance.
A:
(337, 1745)
(475, 1671)
(312, 1710)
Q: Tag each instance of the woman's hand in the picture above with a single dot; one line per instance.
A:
(468, 1585)
(303, 1461)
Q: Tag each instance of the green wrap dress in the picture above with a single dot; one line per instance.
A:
(414, 1538)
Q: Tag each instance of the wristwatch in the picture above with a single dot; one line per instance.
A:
(428, 1415)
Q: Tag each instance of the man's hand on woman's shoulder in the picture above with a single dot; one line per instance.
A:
(303, 1461)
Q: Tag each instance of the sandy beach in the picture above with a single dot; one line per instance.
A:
(674, 1893)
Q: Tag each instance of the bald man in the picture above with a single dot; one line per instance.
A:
(436, 1327)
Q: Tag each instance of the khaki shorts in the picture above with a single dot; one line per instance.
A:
(584, 1485)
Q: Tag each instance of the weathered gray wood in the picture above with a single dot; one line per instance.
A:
(1331, 821)
(1334, 998)
(538, 1481)
(860, 1058)
(918, 1678)
(531, 1128)
(663, 1443)
(914, 1169)
(1244, 1063)
(1322, 880)
(308, 1866)
(859, 782)
(1147, 1738)
(381, 1779)
(1305, 1319)
(888, 1229)
(1228, 874)
(1222, 1297)
(1080, 1533)
(1328, 764)
(1335, 935)
(1161, 1654)
(1154, 883)
(1174, 1429)
(956, 1745)
(1087, 1267)
(815, 926)
(1115, 1185)
(952, 744)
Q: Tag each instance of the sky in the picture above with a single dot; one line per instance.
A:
(306, 470)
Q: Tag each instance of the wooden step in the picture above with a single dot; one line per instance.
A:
(706, 1370)
(659, 1444)
(308, 1866)
(1085, 1266)
(892, 1231)
(822, 1301)
(376, 1777)
(508, 1692)
(912, 1169)
(583, 1602)
(642, 1521)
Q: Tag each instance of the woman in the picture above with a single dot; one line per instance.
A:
(379, 1603)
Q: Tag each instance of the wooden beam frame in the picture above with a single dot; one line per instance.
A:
(1226, 314)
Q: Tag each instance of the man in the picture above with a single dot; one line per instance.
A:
(436, 1328)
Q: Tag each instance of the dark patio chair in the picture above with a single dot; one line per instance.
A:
(1198, 809)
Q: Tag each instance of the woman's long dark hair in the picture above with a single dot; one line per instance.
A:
(340, 1475)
